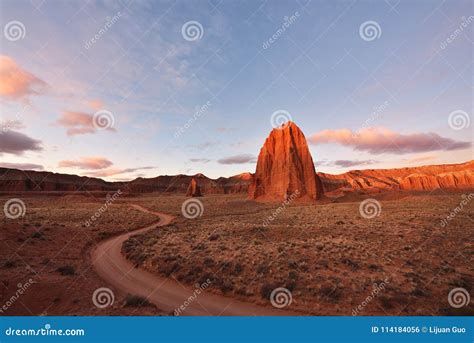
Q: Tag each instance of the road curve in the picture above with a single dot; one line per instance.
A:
(167, 294)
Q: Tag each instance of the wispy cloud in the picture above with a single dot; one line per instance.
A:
(346, 163)
(238, 159)
(202, 160)
(115, 171)
(22, 166)
(17, 83)
(422, 158)
(78, 123)
(226, 129)
(382, 140)
(13, 142)
(93, 162)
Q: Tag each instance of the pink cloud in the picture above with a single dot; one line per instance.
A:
(382, 140)
(93, 162)
(116, 171)
(78, 123)
(95, 104)
(17, 83)
(422, 158)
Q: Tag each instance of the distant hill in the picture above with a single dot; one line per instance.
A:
(425, 178)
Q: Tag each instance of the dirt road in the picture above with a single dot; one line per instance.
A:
(167, 294)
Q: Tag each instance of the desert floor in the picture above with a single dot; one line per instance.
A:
(328, 255)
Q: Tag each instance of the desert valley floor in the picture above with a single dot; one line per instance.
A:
(326, 254)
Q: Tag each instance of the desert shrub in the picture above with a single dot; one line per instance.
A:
(9, 264)
(37, 234)
(168, 269)
(136, 301)
(262, 269)
(66, 270)
(214, 237)
(238, 268)
(266, 290)
(208, 262)
(226, 286)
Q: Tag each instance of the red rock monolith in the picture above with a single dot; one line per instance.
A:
(285, 168)
(193, 189)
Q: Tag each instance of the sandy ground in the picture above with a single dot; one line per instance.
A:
(327, 255)
(401, 262)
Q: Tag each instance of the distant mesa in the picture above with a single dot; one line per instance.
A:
(193, 189)
(285, 168)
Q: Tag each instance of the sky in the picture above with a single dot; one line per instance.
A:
(126, 89)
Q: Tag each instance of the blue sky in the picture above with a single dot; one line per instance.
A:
(394, 94)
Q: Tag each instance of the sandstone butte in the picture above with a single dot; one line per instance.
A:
(193, 189)
(285, 168)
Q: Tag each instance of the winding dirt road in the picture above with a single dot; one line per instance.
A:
(167, 294)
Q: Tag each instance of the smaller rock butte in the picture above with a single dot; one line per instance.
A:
(193, 189)
(285, 168)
